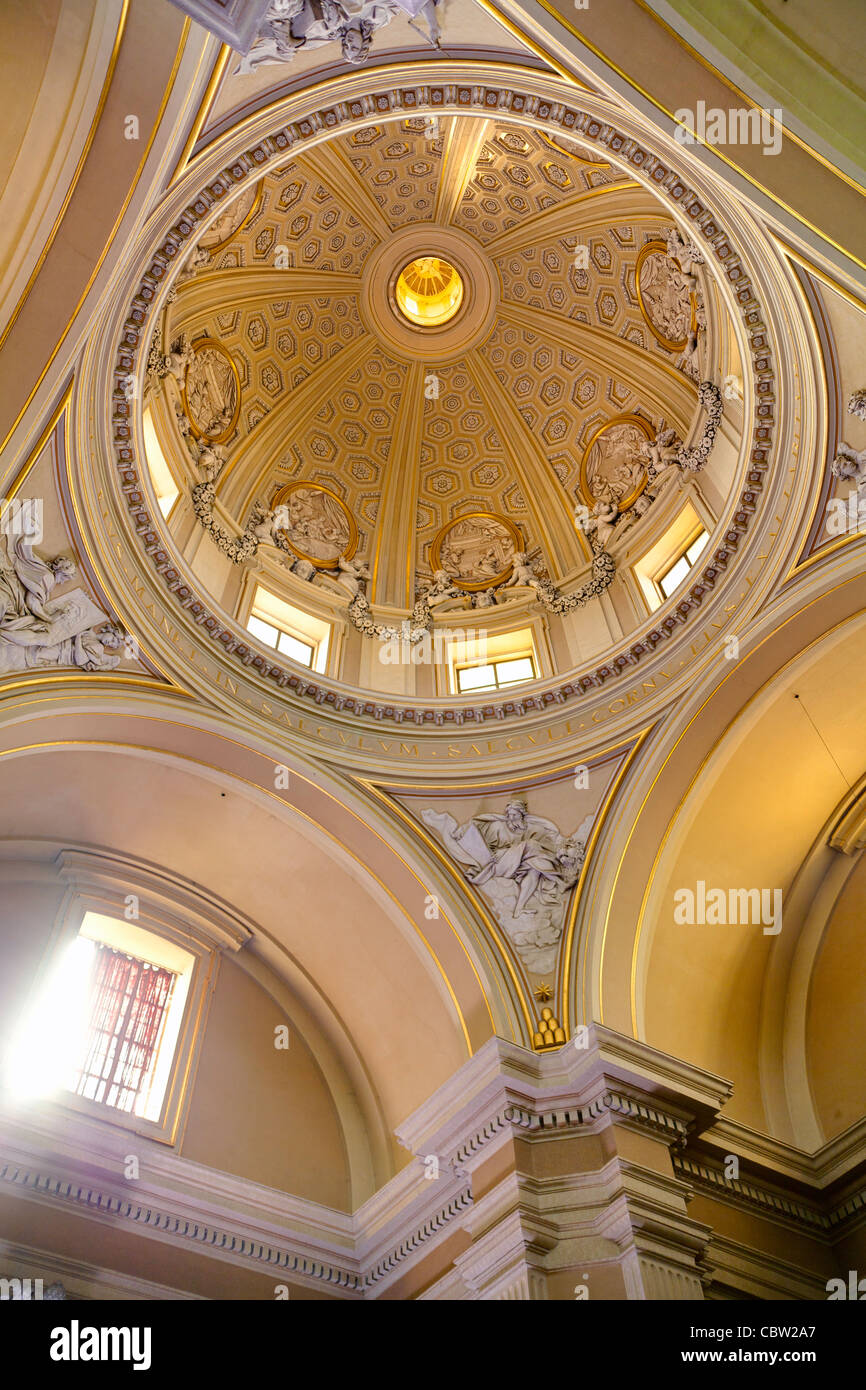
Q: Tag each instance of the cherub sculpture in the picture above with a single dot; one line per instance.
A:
(686, 256)
(199, 256)
(212, 459)
(178, 358)
(440, 590)
(351, 574)
(522, 572)
(857, 403)
(602, 521)
(660, 453)
(849, 465)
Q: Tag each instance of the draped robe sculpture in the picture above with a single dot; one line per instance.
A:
(524, 867)
(38, 630)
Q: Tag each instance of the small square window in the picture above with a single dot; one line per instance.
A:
(476, 678)
(508, 672)
(113, 1060)
(496, 674)
(298, 635)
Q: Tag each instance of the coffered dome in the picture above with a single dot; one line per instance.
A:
(435, 343)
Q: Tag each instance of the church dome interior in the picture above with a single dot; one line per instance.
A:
(432, 636)
(552, 363)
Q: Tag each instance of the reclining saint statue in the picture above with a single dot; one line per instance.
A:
(38, 630)
(524, 866)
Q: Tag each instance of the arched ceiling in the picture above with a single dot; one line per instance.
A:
(330, 391)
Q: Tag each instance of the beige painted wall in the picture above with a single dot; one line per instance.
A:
(837, 1007)
(258, 1112)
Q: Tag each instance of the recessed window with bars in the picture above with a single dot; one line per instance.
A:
(128, 1005)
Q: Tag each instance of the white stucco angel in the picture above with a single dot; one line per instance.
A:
(178, 358)
(857, 403)
(522, 572)
(351, 574)
(686, 256)
(212, 458)
(198, 257)
(440, 590)
(849, 465)
(692, 353)
(265, 523)
(293, 24)
(601, 523)
(660, 453)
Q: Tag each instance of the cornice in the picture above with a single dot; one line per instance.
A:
(757, 1272)
(504, 1091)
(823, 1221)
(81, 1279)
(824, 1168)
(46, 1159)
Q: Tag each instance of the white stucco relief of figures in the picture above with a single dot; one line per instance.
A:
(524, 868)
(39, 630)
(290, 25)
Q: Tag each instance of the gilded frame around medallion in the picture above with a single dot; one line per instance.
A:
(646, 429)
(659, 248)
(475, 586)
(232, 426)
(283, 493)
(242, 225)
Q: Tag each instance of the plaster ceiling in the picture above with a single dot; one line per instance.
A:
(335, 391)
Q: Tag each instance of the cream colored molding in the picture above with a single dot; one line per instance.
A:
(463, 144)
(848, 832)
(246, 472)
(189, 907)
(547, 501)
(505, 1089)
(393, 563)
(243, 285)
(732, 1264)
(824, 1168)
(821, 1219)
(83, 1280)
(601, 206)
(744, 1192)
(52, 150)
(525, 1228)
(176, 1201)
(328, 164)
